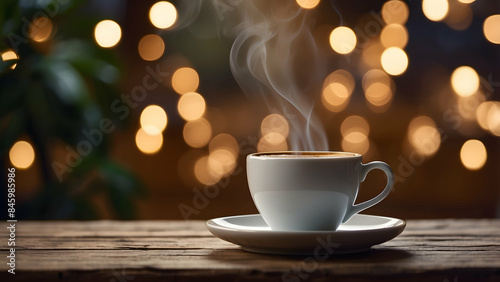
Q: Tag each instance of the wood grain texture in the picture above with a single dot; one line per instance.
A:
(435, 250)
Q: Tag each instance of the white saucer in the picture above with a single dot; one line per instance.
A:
(357, 235)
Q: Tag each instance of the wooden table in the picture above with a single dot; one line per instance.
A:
(119, 251)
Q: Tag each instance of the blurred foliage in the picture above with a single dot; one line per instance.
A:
(59, 89)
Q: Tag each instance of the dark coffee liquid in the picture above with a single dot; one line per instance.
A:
(303, 155)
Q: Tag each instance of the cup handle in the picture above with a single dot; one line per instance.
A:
(365, 168)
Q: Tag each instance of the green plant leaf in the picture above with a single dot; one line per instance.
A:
(123, 187)
(122, 204)
(11, 96)
(14, 129)
(66, 82)
(121, 179)
(89, 60)
(84, 210)
(52, 203)
(54, 97)
(9, 16)
(5, 65)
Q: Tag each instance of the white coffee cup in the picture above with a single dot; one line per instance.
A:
(296, 191)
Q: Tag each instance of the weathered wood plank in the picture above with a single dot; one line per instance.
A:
(84, 243)
(458, 243)
(184, 250)
(152, 275)
(382, 260)
(107, 228)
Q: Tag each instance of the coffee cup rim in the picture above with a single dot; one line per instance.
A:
(270, 154)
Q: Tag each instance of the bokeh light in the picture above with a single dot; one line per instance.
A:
(395, 12)
(473, 154)
(343, 40)
(354, 124)
(379, 89)
(467, 106)
(22, 155)
(197, 133)
(371, 53)
(494, 119)
(394, 61)
(40, 29)
(356, 143)
(355, 131)
(376, 75)
(191, 106)
(482, 114)
(394, 35)
(460, 16)
(378, 95)
(107, 33)
(274, 138)
(185, 80)
(265, 146)
(465, 81)
(274, 129)
(491, 29)
(342, 77)
(153, 119)
(335, 96)
(163, 14)
(488, 116)
(224, 141)
(151, 47)
(308, 4)
(9, 55)
(337, 90)
(221, 163)
(435, 10)
(202, 172)
(466, 1)
(424, 136)
(148, 143)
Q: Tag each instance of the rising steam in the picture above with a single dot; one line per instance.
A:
(275, 56)
(188, 13)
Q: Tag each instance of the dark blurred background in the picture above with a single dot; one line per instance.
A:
(128, 109)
